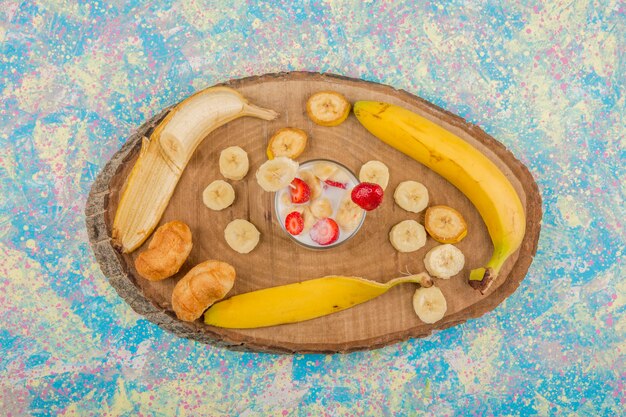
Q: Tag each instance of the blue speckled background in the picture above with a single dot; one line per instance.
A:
(546, 79)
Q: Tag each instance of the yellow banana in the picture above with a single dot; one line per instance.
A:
(301, 301)
(462, 165)
(165, 155)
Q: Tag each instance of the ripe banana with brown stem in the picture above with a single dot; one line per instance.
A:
(461, 164)
(164, 156)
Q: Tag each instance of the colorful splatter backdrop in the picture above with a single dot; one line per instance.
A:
(546, 79)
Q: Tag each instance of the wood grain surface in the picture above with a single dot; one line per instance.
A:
(277, 259)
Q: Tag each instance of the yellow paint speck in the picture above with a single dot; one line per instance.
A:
(573, 212)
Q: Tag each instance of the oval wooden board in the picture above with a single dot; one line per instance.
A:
(277, 259)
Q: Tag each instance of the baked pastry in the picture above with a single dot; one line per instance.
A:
(167, 251)
(203, 285)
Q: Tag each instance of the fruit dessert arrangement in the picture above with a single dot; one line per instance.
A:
(316, 208)
(319, 204)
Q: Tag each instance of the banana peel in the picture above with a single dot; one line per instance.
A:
(301, 301)
(164, 156)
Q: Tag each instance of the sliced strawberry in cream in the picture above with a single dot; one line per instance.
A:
(325, 231)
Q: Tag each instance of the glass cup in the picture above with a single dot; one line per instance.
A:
(283, 205)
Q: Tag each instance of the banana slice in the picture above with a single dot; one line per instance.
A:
(411, 196)
(309, 219)
(313, 183)
(288, 141)
(349, 215)
(287, 206)
(241, 235)
(429, 304)
(276, 173)
(324, 170)
(328, 108)
(376, 172)
(321, 208)
(445, 224)
(407, 236)
(234, 163)
(444, 261)
(218, 195)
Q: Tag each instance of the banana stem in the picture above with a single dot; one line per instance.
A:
(260, 112)
(422, 278)
(482, 278)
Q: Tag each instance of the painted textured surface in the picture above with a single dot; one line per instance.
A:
(547, 80)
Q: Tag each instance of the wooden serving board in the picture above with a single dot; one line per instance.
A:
(277, 259)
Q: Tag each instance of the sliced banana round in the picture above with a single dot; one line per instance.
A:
(321, 208)
(309, 219)
(312, 181)
(375, 172)
(218, 195)
(241, 235)
(429, 304)
(324, 170)
(276, 173)
(234, 163)
(349, 215)
(444, 261)
(407, 236)
(445, 224)
(411, 196)
(287, 206)
(288, 141)
(328, 108)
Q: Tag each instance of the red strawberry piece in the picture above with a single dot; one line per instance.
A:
(325, 231)
(300, 191)
(336, 184)
(294, 223)
(367, 195)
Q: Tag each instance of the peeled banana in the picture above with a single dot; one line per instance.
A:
(276, 173)
(299, 302)
(411, 196)
(349, 215)
(464, 166)
(321, 208)
(288, 141)
(407, 236)
(375, 172)
(165, 155)
(328, 108)
(242, 236)
(312, 181)
(218, 195)
(234, 163)
(324, 170)
(444, 261)
(445, 224)
(429, 304)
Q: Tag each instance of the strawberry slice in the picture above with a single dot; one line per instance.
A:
(300, 191)
(336, 184)
(325, 231)
(294, 223)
